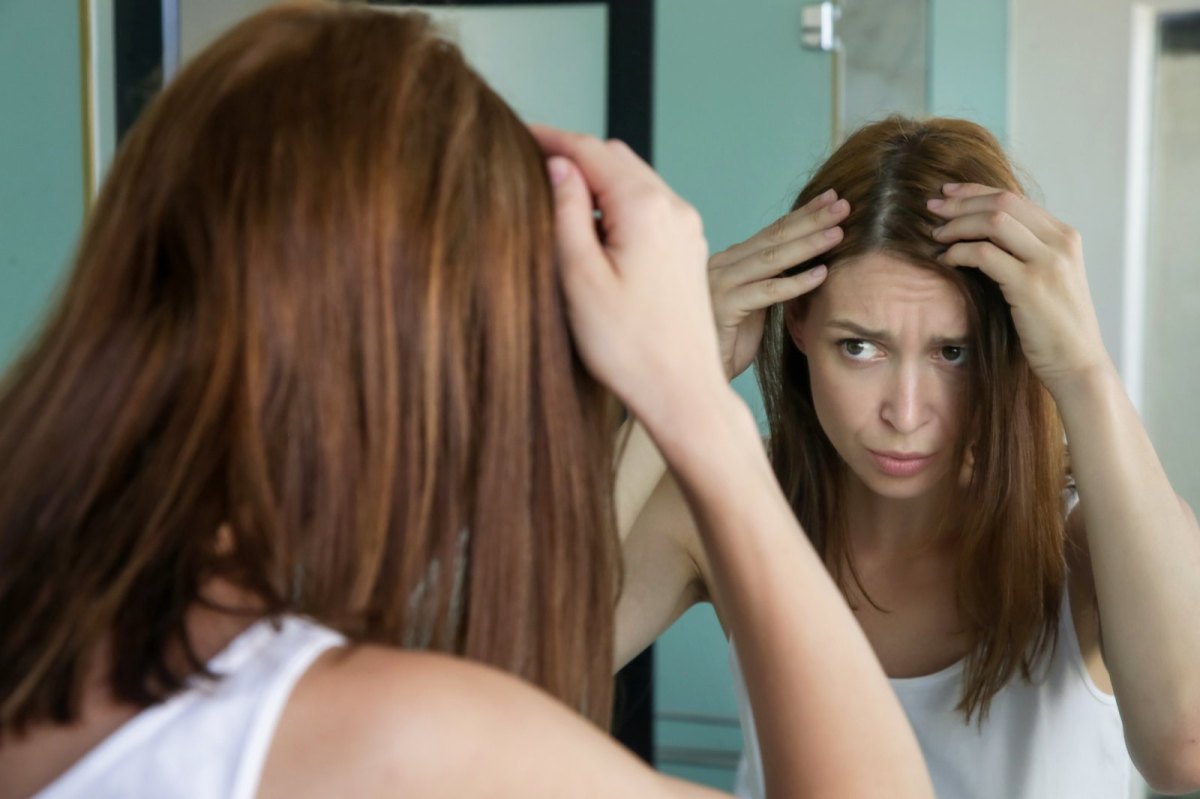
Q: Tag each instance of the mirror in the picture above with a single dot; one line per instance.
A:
(735, 111)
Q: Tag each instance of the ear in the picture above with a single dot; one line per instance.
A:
(794, 314)
(967, 470)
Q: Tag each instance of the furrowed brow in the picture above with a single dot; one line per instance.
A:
(883, 335)
(859, 330)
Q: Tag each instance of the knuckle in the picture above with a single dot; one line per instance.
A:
(718, 282)
(618, 146)
(651, 199)
(777, 230)
(584, 141)
(691, 217)
(1006, 200)
(769, 255)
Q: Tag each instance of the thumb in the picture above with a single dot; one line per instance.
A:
(579, 249)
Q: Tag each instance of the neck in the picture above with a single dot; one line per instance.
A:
(896, 528)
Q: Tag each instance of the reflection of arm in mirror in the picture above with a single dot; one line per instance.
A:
(660, 359)
(665, 565)
(1140, 538)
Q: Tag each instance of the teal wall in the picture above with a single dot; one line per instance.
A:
(41, 158)
(741, 115)
(968, 59)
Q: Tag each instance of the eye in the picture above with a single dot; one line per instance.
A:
(954, 355)
(857, 349)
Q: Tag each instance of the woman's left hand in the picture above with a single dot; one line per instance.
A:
(1038, 263)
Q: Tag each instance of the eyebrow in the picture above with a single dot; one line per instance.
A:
(883, 335)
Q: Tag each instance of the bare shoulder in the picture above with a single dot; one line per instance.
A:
(372, 721)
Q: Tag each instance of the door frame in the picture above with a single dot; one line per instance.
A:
(1144, 24)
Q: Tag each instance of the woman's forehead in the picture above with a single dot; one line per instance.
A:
(877, 289)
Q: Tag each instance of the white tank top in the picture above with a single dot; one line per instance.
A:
(1057, 737)
(211, 740)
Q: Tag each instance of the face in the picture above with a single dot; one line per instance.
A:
(887, 347)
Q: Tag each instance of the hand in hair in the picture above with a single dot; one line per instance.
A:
(638, 302)
(1038, 263)
(745, 280)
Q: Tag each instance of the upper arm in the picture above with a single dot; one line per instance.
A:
(1188, 513)
(1085, 604)
(665, 571)
(381, 722)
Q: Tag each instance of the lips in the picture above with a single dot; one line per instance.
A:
(901, 464)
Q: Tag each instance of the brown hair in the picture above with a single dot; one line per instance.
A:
(316, 301)
(1011, 571)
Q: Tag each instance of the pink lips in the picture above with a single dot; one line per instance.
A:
(899, 464)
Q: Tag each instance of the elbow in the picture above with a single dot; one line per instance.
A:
(1172, 764)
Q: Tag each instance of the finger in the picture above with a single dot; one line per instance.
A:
(580, 253)
(774, 259)
(815, 216)
(765, 293)
(606, 167)
(969, 189)
(997, 227)
(994, 262)
(971, 198)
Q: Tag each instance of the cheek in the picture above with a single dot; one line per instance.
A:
(953, 405)
(843, 405)
(950, 406)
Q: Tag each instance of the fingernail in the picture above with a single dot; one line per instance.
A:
(840, 206)
(558, 169)
(818, 271)
(833, 233)
(828, 195)
(936, 203)
(950, 187)
(938, 230)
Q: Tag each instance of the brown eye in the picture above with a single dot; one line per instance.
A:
(954, 355)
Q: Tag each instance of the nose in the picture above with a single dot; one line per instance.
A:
(904, 405)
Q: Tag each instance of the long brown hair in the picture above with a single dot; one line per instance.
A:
(1011, 569)
(316, 304)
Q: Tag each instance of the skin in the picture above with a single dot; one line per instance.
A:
(1135, 554)
(373, 721)
(886, 347)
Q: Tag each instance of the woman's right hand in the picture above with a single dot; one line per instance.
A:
(637, 298)
(745, 281)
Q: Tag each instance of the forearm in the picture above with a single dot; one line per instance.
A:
(639, 469)
(822, 703)
(1145, 553)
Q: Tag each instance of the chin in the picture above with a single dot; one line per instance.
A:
(908, 488)
(901, 488)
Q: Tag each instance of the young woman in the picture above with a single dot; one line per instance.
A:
(311, 397)
(914, 403)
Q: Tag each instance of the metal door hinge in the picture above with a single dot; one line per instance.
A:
(817, 26)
